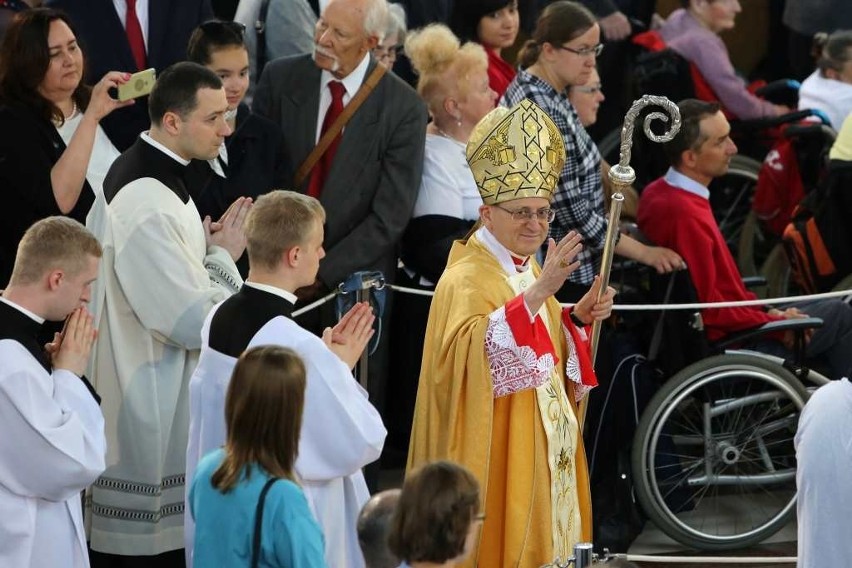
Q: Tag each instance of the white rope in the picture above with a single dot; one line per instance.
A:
(694, 306)
(415, 291)
(713, 560)
(315, 305)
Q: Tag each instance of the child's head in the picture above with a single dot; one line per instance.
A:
(263, 414)
(220, 46)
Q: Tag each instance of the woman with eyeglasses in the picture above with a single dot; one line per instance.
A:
(249, 160)
(437, 519)
(54, 154)
(388, 48)
(693, 32)
(586, 100)
(561, 54)
(493, 24)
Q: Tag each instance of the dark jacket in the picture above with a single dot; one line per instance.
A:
(254, 165)
(29, 148)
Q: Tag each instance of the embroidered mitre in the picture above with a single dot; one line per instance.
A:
(516, 153)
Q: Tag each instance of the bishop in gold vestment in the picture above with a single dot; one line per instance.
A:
(504, 365)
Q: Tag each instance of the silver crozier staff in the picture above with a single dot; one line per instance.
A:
(621, 176)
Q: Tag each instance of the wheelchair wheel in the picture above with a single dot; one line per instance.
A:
(730, 198)
(713, 460)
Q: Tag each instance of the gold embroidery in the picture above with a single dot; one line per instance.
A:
(561, 428)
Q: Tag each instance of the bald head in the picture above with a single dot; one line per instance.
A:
(373, 529)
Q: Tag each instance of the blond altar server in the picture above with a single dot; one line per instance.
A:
(52, 442)
(341, 430)
(504, 366)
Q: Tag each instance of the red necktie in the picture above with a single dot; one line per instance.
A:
(323, 166)
(134, 35)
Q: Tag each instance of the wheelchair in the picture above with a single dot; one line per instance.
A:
(664, 72)
(712, 458)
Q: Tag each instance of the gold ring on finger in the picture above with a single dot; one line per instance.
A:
(563, 264)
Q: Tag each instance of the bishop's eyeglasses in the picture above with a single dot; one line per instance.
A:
(525, 214)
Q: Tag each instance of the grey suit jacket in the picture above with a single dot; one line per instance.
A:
(370, 191)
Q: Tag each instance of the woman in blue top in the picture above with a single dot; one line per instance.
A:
(263, 418)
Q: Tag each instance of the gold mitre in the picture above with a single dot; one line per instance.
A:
(515, 153)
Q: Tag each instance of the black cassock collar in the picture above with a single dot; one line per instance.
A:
(18, 326)
(241, 316)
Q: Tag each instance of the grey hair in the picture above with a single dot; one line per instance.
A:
(376, 17)
(396, 23)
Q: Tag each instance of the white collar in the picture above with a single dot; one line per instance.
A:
(289, 296)
(351, 82)
(168, 152)
(501, 253)
(686, 183)
(23, 310)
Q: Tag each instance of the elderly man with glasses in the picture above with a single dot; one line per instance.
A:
(504, 366)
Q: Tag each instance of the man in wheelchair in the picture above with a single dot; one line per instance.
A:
(674, 211)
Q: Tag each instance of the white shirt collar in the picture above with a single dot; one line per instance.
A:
(501, 253)
(289, 296)
(351, 82)
(686, 183)
(147, 138)
(23, 310)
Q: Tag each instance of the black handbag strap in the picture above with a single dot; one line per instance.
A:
(258, 523)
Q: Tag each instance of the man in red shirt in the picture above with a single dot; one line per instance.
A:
(674, 212)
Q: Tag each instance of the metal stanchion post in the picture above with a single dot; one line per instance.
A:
(363, 295)
(583, 555)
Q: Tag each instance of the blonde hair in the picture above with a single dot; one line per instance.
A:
(278, 221)
(443, 65)
(263, 415)
(53, 243)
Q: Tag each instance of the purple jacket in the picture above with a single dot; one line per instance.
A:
(700, 46)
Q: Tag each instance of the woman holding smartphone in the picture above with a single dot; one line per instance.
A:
(53, 153)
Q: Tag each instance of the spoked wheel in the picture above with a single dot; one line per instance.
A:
(713, 458)
(730, 197)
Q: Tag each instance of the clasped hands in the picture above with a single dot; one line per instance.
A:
(228, 231)
(70, 349)
(353, 332)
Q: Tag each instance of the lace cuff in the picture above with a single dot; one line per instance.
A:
(520, 353)
(578, 356)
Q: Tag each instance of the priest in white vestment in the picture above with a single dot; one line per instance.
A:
(341, 431)
(52, 443)
(163, 271)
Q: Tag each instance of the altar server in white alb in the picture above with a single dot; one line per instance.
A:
(163, 270)
(341, 431)
(52, 442)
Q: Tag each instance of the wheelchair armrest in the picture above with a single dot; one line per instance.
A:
(807, 129)
(754, 281)
(781, 87)
(771, 121)
(767, 328)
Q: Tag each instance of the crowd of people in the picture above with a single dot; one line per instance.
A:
(154, 250)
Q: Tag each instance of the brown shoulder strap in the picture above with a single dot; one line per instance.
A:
(330, 134)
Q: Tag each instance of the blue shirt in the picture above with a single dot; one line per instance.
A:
(224, 522)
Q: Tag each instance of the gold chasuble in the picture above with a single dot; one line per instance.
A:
(524, 448)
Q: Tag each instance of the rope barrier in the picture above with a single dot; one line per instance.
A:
(693, 306)
(315, 305)
(712, 560)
